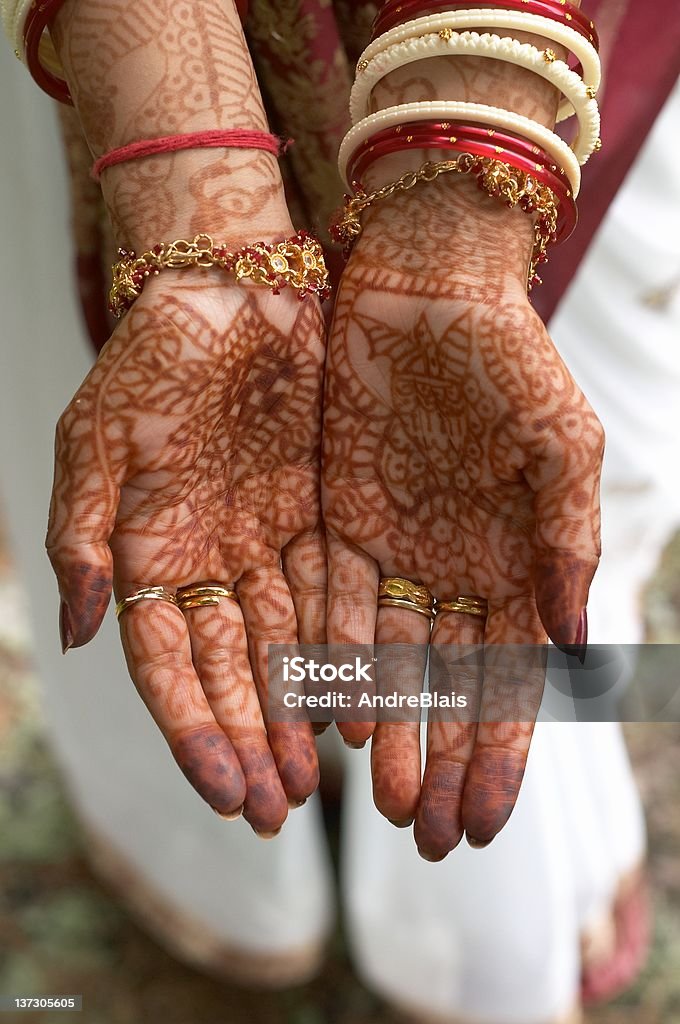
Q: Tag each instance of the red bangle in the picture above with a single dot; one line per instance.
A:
(234, 138)
(515, 151)
(40, 15)
(38, 18)
(438, 135)
(396, 12)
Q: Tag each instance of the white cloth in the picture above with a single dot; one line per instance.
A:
(488, 935)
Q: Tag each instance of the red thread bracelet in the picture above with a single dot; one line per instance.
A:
(234, 138)
(38, 18)
(396, 12)
(516, 152)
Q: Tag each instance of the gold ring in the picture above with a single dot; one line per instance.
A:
(204, 596)
(465, 605)
(396, 592)
(145, 594)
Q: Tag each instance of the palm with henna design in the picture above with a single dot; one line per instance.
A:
(458, 453)
(189, 455)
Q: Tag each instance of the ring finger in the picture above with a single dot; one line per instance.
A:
(220, 654)
(158, 653)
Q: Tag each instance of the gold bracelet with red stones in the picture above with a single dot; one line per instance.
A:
(296, 263)
(498, 179)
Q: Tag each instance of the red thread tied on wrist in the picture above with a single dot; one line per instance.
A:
(234, 138)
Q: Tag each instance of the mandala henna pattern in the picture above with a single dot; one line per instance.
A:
(460, 453)
(194, 444)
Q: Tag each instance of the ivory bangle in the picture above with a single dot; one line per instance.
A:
(14, 14)
(519, 21)
(557, 72)
(470, 113)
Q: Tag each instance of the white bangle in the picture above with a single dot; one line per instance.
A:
(446, 42)
(14, 14)
(521, 21)
(476, 113)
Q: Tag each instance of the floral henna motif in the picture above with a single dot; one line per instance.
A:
(141, 69)
(460, 453)
(190, 454)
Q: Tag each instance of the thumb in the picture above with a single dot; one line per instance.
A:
(83, 509)
(566, 479)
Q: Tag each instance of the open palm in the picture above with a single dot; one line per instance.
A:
(190, 455)
(460, 454)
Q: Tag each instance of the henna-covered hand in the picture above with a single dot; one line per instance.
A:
(459, 453)
(190, 454)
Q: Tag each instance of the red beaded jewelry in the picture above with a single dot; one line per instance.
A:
(396, 12)
(479, 142)
(38, 18)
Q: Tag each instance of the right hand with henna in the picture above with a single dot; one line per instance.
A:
(189, 455)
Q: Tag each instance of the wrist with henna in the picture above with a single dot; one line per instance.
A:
(190, 454)
(474, 231)
(141, 70)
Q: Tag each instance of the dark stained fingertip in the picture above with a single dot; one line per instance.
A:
(268, 835)
(85, 590)
(210, 765)
(406, 823)
(477, 844)
(320, 727)
(65, 628)
(432, 858)
(579, 648)
(294, 804)
(492, 785)
(296, 758)
(231, 816)
(355, 746)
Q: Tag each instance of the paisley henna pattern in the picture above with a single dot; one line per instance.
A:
(144, 68)
(459, 453)
(190, 454)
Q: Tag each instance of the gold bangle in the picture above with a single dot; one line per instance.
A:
(145, 594)
(397, 592)
(296, 262)
(204, 596)
(498, 179)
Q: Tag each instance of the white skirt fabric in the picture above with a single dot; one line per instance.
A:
(489, 936)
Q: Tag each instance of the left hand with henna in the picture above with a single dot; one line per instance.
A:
(459, 454)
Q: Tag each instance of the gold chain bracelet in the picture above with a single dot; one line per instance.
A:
(296, 263)
(498, 179)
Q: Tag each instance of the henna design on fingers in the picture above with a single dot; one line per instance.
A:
(190, 453)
